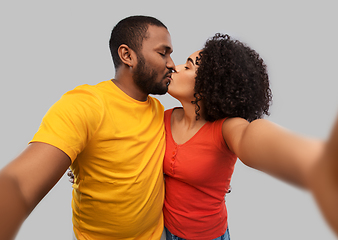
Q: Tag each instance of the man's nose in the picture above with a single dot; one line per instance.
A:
(171, 64)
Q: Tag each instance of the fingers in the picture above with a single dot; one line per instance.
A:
(70, 175)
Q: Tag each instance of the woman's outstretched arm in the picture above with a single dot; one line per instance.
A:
(324, 180)
(272, 149)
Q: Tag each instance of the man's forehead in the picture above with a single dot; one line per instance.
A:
(159, 36)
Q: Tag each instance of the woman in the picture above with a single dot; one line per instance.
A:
(223, 89)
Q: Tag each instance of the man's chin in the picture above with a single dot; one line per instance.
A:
(160, 92)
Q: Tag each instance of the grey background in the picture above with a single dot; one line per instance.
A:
(50, 47)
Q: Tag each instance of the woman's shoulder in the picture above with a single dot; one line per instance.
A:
(175, 112)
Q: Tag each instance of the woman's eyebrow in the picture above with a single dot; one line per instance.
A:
(190, 60)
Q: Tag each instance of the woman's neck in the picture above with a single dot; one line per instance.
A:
(184, 124)
(188, 115)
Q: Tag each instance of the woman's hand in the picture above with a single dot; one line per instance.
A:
(323, 180)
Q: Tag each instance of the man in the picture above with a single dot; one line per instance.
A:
(111, 135)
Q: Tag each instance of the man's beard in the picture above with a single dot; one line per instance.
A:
(145, 78)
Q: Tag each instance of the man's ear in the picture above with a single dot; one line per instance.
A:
(127, 55)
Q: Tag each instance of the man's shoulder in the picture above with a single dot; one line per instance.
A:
(93, 87)
(155, 101)
(87, 91)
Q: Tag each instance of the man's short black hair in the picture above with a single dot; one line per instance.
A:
(130, 31)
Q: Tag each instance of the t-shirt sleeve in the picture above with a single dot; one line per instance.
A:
(71, 122)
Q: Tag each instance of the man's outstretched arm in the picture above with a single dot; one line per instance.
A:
(21, 189)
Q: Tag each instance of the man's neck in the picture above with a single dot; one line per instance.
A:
(127, 85)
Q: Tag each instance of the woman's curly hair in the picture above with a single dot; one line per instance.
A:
(231, 81)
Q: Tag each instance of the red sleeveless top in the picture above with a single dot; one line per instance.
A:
(197, 177)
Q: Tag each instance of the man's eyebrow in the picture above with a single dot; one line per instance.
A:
(167, 48)
(190, 60)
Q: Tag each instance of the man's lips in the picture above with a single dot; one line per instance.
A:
(168, 81)
(168, 77)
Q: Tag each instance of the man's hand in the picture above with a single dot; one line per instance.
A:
(70, 175)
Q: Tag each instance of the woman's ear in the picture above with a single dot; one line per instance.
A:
(127, 55)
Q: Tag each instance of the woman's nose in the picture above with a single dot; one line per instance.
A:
(178, 68)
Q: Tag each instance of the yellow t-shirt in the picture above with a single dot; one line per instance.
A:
(116, 145)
